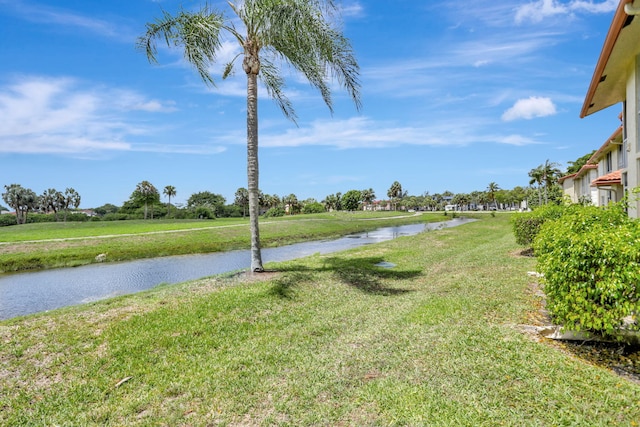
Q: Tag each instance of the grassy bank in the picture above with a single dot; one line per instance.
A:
(327, 340)
(51, 245)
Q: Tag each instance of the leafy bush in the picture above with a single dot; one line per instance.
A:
(7, 219)
(590, 259)
(74, 216)
(115, 217)
(311, 208)
(36, 218)
(274, 212)
(203, 212)
(527, 225)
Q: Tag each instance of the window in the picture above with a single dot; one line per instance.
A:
(622, 155)
(608, 165)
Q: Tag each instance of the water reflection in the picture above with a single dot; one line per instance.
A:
(27, 293)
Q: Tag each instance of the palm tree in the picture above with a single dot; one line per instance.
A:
(146, 192)
(537, 176)
(169, 191)
(21, 199)
(50, 201)
(242, 199)
(368, 196)
(395, 192)
(298, 33)
(71, 199)
(550, 174)
(332, 202)
(292, 205)
(492, 188)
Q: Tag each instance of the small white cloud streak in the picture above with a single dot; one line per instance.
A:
(538, 10)
(362, 132)
(353, 10)
(516, 140)
(178, 149)
(530, 108)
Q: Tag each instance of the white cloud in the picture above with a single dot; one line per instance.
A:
(41, 13)
(354, 9)
(538, 10)
(363, 132)
(59, 115)
(517, 140)
(529, 108)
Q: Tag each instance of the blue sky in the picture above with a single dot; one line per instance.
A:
(455, 95)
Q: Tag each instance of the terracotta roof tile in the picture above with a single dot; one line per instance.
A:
(608, 179)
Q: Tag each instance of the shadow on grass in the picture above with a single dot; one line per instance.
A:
(360, 273)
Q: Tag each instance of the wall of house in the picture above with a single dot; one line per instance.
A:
(592, 191)
(631, 128)
(569, 190)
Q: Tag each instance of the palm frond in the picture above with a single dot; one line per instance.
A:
(197, 32)
(301, 35)
(274, 84)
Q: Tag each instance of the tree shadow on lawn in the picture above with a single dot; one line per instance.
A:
(360, 273)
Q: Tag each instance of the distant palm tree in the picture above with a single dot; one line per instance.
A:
(145, 192)
(242, 199)
(394, 193)
(169, 191)
(368, 196)
(492, 188)
(298, 33)
(71, 199)
(545, 176)
(550, 174)
(537, 177)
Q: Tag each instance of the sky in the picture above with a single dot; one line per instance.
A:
(455, 95)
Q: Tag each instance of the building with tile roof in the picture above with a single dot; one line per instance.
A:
(616, 79)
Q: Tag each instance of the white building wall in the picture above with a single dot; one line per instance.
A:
(631, 125)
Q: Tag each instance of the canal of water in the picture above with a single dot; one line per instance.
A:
(27, 293)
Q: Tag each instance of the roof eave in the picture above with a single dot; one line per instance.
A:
(612, 36)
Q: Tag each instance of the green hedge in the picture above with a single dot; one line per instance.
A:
(527, 225)
(590, 259)
(7, 219)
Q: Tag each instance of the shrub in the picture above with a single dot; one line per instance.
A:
(203, 212)
(7, 219)
(527, 225)
(115, 217)
(74, 216)
(37, 217)
(273, 212)
(311, 208)
(590, 259)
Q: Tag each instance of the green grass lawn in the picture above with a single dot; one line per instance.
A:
(326, 340)
(66, 230)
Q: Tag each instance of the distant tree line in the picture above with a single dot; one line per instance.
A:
(45, 207)
(146, 202)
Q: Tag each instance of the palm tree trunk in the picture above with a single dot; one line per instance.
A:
(252, 170)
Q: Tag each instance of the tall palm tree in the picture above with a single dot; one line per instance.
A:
(169, 191)
(298, 33)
